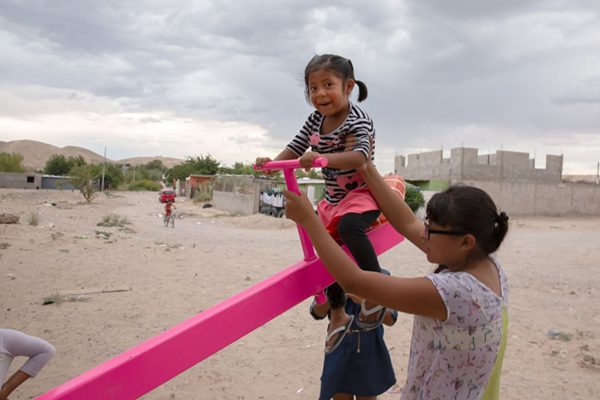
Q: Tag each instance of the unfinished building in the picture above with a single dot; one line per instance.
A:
(509, 177)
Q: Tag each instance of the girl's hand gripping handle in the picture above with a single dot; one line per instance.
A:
(288, 167)
(319, 162)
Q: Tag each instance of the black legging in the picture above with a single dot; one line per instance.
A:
(351, 229)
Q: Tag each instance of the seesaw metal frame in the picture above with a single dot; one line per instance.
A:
(146, 366)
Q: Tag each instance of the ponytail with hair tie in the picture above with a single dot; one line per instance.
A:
(502, 217)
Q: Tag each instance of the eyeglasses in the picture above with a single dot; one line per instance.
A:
(428, 232)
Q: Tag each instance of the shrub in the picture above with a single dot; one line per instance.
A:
(82, 177)
(203, 192)
(34, 219)
(414, 198)
(113, 220)
(144, 184)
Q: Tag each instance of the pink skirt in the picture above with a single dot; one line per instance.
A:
(357, 201)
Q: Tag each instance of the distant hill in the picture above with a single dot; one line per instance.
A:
(36, 154)
(167, 161)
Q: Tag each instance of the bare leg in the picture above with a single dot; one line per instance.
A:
(12, 383)
(339, 317)
(343, 396)
(352, 230)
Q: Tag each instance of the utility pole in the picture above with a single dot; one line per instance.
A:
(103, 170)
(598, 173)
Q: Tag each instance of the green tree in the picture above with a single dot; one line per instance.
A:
(153, 170)
(11, 162)
(239, 168)
(77, 161)
(58, 164)
(180, 171)
(150, 171)
(113, 175)
(202, 165)
(155, 164)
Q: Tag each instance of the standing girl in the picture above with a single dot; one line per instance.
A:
(361, 368)
(460, 319)
(15, 343)
(348, 208)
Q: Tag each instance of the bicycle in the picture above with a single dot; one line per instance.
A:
(169, 219)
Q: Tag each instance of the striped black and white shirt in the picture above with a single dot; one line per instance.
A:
(357, 124)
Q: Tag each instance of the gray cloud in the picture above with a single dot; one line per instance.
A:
(439, 73)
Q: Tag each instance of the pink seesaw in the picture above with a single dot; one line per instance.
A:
(146, 366)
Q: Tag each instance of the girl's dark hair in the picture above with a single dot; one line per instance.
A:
(471, 210)
(340, 66)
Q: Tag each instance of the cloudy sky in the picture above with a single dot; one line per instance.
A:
(224, 77)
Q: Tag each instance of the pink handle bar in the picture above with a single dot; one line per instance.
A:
(290, 179)
(319, 162)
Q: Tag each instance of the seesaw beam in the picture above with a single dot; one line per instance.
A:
(146, 366)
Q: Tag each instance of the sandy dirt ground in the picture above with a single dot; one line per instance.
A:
(155, 277)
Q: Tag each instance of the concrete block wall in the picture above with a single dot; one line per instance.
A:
(431, 158)
(585, 199)
(514, 165)
(428, 165)
(239, 194)
(463, 156)
(510, 178)
(554, 166)
(236, 203)
(466, 163)
(428, 158)
(477, 172)
(486, 159)
(399, 162)
(19, 180)
(543, 199)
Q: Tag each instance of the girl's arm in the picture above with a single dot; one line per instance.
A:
(286, 154)
(355, 153)
(393, 207)
(410, 295)
(345, 160)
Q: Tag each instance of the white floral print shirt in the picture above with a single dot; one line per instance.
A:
(453, 359)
